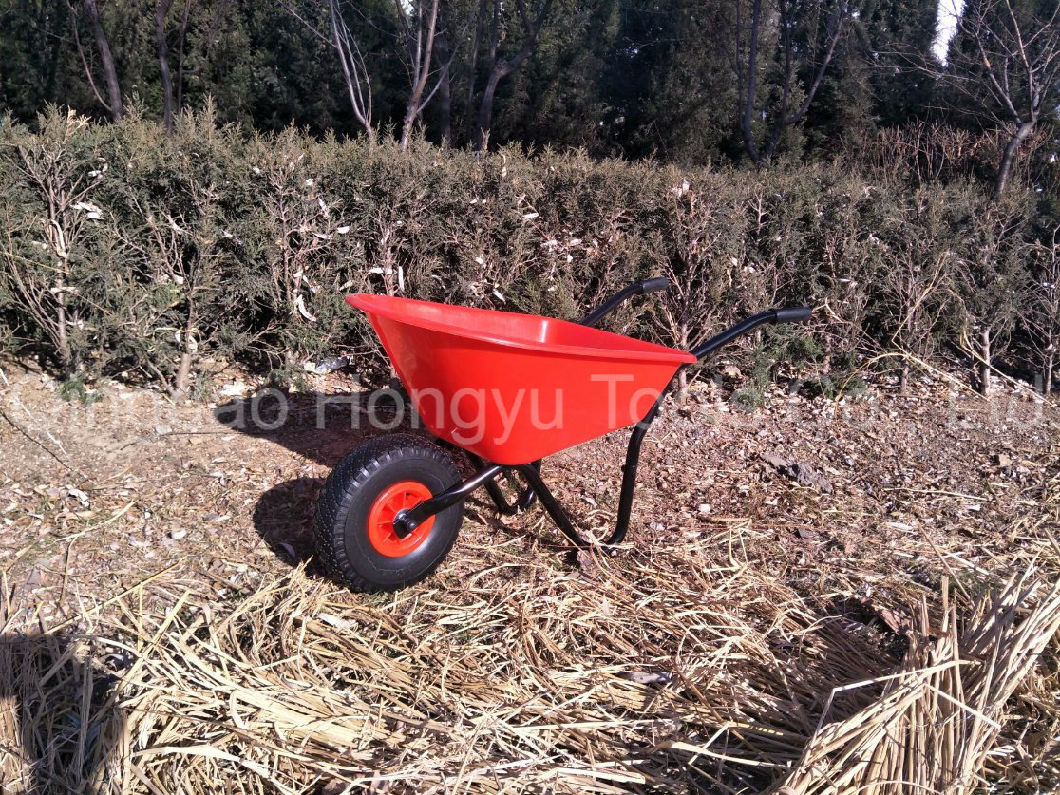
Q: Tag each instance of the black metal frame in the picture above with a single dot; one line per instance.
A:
(407, 521)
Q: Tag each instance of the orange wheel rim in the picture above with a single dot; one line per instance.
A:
(397, 497)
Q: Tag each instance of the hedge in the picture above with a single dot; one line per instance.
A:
(130, 253)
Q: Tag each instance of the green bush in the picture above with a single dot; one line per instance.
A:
(52, 240)
(129, 252)
(748, 398)
(180, 291)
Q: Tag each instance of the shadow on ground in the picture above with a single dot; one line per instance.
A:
(283, 518)
(61, 729)
(321, 428)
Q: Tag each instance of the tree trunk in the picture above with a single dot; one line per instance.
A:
(183, 376)
(421, 69)
(750, 83)
(161, 10)
(354, 71)
(445, 100)
(58, 43)
(445, 110)
(66, 363)
(485, 108)
(682, 375)
(1008, 158)
(1047, 388)
(469, 99)
(501, 68)
(985, 364)
(180, 53)
(406, 128)
(180, 383)
(780, 119)
(110, 72)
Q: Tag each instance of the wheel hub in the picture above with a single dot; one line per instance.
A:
(393, 499)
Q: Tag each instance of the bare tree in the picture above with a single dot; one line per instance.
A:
(40, 255)
(1006, 59)
(419, 21)
(916, 288)
(354, 70)
(304, 235)
(500, 68)
(351, 58)
(424, 33)
(704, 268)
(445, 99)
(179, 252)
(804, 35)
(991, 290)
(113, 102)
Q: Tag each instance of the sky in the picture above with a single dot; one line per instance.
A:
(949, 12)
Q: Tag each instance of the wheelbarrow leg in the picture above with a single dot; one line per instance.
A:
(629, 472)
(625, 500)
(552, 506)
(523, 501)
(407, 521)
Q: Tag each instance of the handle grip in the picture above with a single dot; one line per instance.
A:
(793, 314)
(653, 285)
(789, 315)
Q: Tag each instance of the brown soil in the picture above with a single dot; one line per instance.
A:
(773, 555)
(94, 498)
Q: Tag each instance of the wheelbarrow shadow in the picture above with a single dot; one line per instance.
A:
(283, 519)
(319, 427)
(59, 728)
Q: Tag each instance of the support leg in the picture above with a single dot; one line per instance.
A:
(407, 521)
(625, 500)
(525, 499)
(552, 506)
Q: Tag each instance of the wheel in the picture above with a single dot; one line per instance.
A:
(363, 494)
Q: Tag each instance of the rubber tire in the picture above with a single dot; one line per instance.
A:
(352, 487)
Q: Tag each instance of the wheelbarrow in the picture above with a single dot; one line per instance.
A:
(504, 389)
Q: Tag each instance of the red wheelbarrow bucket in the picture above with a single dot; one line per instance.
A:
(513, 388)
(507, 389)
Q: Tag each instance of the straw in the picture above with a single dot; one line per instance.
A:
(684, 668)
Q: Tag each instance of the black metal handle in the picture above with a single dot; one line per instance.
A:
(654, 285)
(789, 315)
(651, 285)
(793, 314)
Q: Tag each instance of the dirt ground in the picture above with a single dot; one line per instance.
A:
(855, 509)
(96, 497)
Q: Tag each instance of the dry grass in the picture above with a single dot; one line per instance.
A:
(934, 726)
(785, 640)
(665, 672)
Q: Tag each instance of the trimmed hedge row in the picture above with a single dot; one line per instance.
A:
(127, 252)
